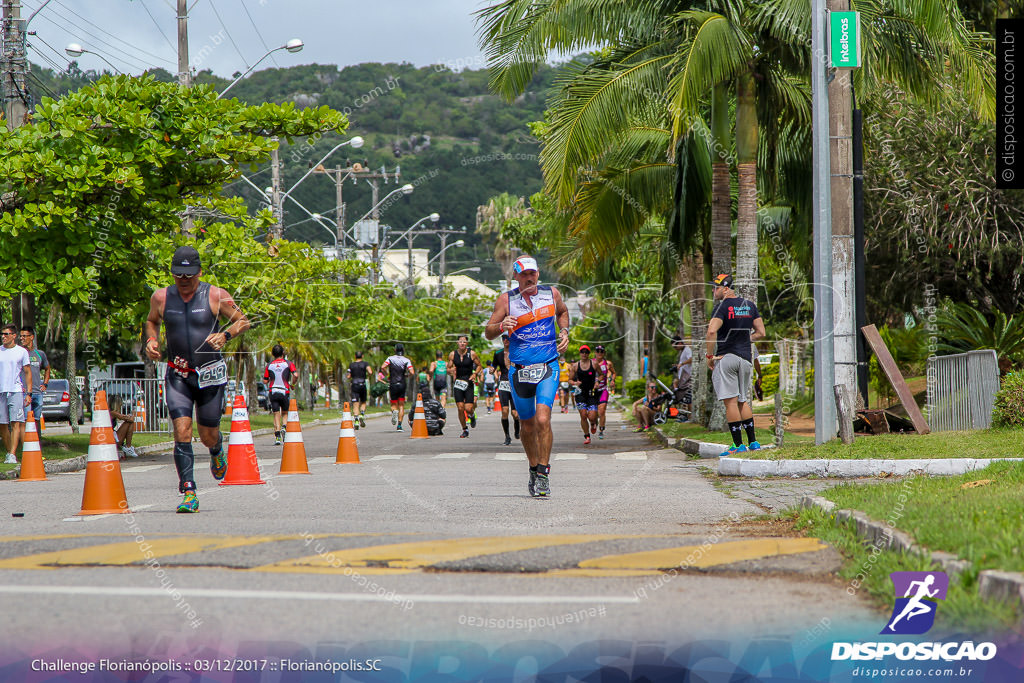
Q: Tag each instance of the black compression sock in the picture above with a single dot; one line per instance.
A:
(183, 461)
(544, 469)
(220, 441)
(533, 468)
(749, 426)
(504, 425)
(736, 428)
(517, 428)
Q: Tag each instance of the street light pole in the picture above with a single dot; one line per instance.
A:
(824, 368)
(184, 71)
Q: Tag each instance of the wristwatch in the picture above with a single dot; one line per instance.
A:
(227, 336)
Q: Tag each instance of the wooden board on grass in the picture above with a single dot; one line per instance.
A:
(895, 378)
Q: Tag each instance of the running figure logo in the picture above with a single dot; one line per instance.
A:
(916, 592)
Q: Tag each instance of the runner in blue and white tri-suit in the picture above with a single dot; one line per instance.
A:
(529, 314)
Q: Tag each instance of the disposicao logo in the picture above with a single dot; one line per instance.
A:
(916, 592)
(914, 614)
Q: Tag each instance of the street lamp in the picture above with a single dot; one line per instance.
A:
(406, 189)
(356, 143)
(474, 269)
(434, 217)
(293, 45)
(75, 50)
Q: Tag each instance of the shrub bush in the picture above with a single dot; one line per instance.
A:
(635, 389)
(769, 383)
(1008, 410)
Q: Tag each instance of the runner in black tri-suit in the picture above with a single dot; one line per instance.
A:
(190, 311)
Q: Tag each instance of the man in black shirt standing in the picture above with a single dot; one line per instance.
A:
(358, 370)
(734, 325)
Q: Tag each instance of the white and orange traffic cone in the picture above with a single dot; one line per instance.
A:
(140, 415)
(419, 421)
(497, 404)
(293, 457)
(104, 487)
(31, 455)
(348, 451)
(42, 424)
(243, 468)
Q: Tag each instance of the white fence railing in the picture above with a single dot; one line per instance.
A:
(962, 390)
(130, 390)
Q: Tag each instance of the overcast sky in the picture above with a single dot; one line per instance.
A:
(135, 35)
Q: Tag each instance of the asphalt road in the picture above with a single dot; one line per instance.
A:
(424, 540)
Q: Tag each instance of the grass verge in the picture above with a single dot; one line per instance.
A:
(979, 523)
(867, 569)
(982, 443)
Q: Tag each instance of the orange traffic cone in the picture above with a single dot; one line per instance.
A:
(419, 421)
(293, 458)
(348, 452)
(104, 486)
(31, 456)
(328, 405)
(227, 407)
(497, 404)
(242, 465)
(140, 415)
(42, 423)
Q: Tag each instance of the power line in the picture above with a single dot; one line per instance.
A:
(157, 24)
(121, 40)
(213, 6)
(72, 30)
(258, 34)
(55, 51)
(45, 57)
(43, 86)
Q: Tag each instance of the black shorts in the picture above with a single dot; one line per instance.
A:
(359, 392)
(440, 386)
(466, 395)
(279, 401)
(397, 391)
(506, 399)
(489, 389)
(184, 394)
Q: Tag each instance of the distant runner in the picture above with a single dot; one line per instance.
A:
(398, 367)
(489, 386)
(358, 373)
(464, 367)
(439, 374)
(505, 390)
(278, 375)
(190, 311)
(605, 385)
(583, 375)
(564, 388)
(529, 314)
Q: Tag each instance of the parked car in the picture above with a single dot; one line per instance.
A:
(57, 402)
(262, 396)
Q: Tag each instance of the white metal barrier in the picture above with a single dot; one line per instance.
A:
(962, 390)
(130, 390)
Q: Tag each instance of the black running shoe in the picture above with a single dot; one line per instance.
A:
(531, 487)
(542, 486)
(508, 440)
(464, 434)
(472, 420)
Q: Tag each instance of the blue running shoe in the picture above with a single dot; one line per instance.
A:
(732, 450)
(755, 446)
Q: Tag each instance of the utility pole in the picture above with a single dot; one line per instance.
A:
(444, 240)
(824, 368)
(840, 114)
(275, 190)
(184, 71)
(375, 214)
(184, 79)
(339, 215)
(14, 65)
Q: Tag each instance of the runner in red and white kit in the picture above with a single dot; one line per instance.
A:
(279, 375)
(398, 367)
(605, 385)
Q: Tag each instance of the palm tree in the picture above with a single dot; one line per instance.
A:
(492, 217)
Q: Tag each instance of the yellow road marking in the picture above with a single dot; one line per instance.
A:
(708, 555)
(410, 556)
(113, 554)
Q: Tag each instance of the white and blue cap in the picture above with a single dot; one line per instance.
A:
(524, 263)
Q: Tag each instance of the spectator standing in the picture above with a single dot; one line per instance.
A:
(40, 365)
(15, 391)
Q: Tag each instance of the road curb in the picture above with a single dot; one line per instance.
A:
(78, 462)
(741, 467)
(993, 584)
